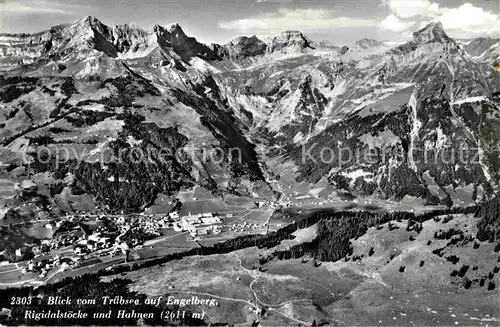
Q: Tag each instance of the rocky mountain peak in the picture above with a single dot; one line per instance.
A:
(185, 46)
(397, 98)
(90, 22)
(170, 32)
(292, 34)
(368, 43)
(176, 29)
(244, 46)
(325, 45)
(289, 41)
(433, 32)
(244, 40)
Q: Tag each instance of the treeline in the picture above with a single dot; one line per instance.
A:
(489, 225)
(68, 89)
(88, 117)
(239, 153)
(313, 163)
(134, 175)
(335, 231)
(12, 88)
(45, 139)
(124, 90)
(16, 86)
(261, 241)
(9, 139)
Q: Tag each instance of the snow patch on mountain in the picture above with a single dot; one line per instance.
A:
(355, 174)
(298, 137)
(203, 66)
(441, 138)
(414, 131)
(469, 100)
(111, 126)
(383, 140)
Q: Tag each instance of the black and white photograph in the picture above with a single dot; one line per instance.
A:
(249, 163)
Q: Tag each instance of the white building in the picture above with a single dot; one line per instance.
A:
(210, 220)
(190, 220)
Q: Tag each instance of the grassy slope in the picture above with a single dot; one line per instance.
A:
(370, 290)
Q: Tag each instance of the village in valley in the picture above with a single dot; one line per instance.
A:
(100, 239)
(95, 238)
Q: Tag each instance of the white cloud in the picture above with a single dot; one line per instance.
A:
(394, 24)
(305, 20)
(466, 21)
(470, 21)
(33, 7)
(413, 8)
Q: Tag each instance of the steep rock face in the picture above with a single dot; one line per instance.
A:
(365, 44)
(129, 38)
(90, 37)
(81, 37)
(433, 32)
(103, 94)
(15, 51)
(186, 47)
(289, 42)
(246, 47)
(478, 46)
(304, 106)
(485, 50)
(326, 46)
(419, 131)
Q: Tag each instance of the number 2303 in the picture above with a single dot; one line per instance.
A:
(16, 300)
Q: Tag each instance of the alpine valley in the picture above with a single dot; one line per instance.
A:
(398, 143)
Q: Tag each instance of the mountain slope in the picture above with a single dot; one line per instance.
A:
(286, 111)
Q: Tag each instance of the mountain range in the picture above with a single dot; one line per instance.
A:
(302, 114)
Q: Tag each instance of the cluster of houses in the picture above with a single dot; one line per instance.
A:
(112, 238)
(44, 264)
(201, 224)
(257, 310)
(130, 233)
(70, 233)
(91, 243)
(241, 227)
(115, 235)
(269, 204)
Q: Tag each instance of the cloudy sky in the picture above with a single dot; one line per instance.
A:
(340, 21)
